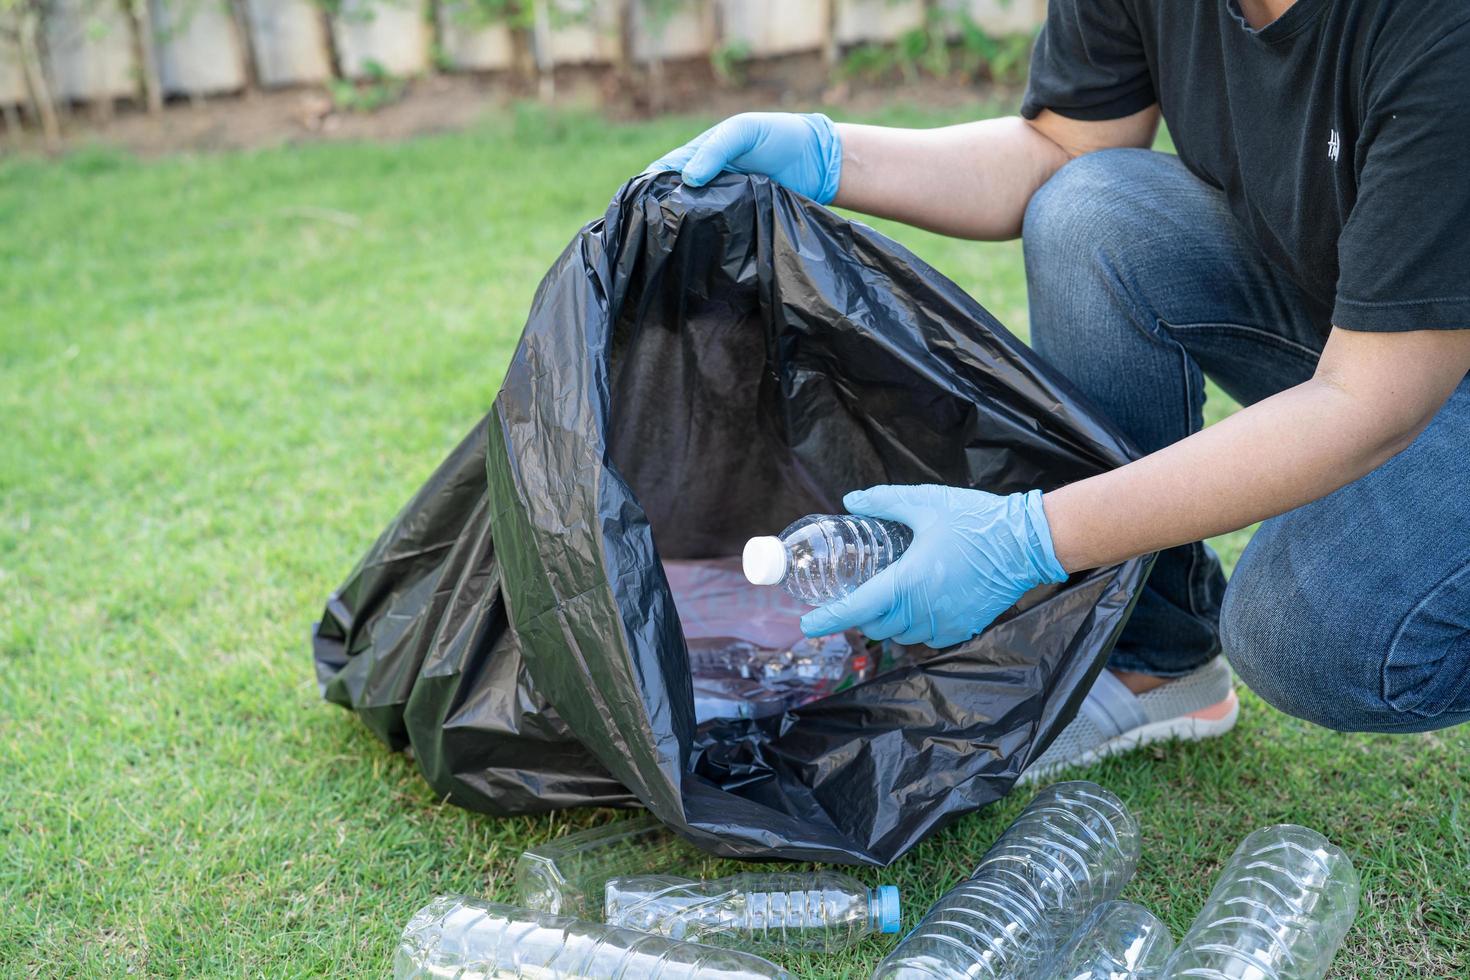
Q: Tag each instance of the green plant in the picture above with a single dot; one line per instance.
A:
(440, 59)
(728, 60)
(947, 44)
(1003, 58)
(869, 61)
(565, 12)
(658, 13)
(480, 13)
(909, 51)
(377, 88)
(519, 14)
(938, 23)
(20, 29)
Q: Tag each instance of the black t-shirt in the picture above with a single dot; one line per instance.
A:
(1340, 133)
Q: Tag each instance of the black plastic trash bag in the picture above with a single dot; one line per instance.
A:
(699, 366)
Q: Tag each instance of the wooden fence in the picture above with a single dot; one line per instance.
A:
(91, 49)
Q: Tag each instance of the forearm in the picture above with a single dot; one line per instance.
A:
(970, 181)
(1372, 394)
(1283, 452)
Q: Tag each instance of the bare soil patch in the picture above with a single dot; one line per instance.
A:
(446, 103)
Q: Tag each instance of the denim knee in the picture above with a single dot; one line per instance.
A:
(1089, 240)
(1300, 636)
(1085, 204)
(1276, 654)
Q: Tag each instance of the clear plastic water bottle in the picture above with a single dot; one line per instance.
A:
(1118, 941)
(740, 680)
(468, 939)
(1279, 911)
(1075, 846)
(819, 910)
(1072, 848)
(823, 557)
(567, 876)
(980, 930)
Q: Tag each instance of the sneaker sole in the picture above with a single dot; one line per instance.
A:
(1196, 726)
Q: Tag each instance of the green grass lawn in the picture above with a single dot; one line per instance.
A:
(219, 378)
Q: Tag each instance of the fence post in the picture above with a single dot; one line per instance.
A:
(830, 48)
(541, 50)
(437, 46)
(623, 57)
(140, 22)
(241, 16)
(35, 72)
(325, 9)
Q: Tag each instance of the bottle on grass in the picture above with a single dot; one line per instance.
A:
(820, 910)
(567, 875)
(1279, 911)
(1073, 847)
(467, 939)
(1118, 941)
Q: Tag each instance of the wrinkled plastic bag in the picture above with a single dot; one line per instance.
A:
(716, 602)
(699, 366)
(748, 657)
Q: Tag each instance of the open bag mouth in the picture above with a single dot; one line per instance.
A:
(700, 366)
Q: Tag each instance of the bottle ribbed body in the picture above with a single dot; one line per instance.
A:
(566, 876)
(830, 555)
(1075, 846)
(1118, 941)
(821, 910)
(1279, 911)
(467, 939)
(980, 930)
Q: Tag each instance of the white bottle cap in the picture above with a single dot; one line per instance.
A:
(765, 560)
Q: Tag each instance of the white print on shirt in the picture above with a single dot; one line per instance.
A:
(1334, 146)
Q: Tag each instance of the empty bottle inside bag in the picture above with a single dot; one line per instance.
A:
(560, 616)
(747, 655)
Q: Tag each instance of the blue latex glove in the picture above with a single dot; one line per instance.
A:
(973, 555)
(802, 152)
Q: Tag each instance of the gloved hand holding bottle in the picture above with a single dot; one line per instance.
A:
(973, 555)
(800, 151)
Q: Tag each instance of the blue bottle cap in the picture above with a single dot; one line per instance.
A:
(889, 918)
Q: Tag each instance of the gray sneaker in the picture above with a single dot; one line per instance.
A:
(1199, 705)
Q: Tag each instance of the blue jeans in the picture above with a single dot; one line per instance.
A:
(1352, 612)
